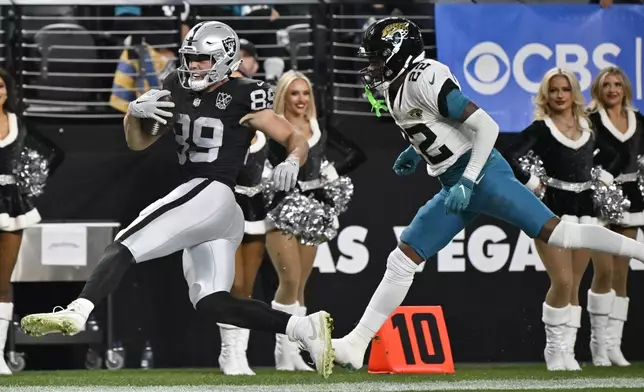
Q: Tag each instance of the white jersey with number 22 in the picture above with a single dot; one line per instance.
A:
(417, 109)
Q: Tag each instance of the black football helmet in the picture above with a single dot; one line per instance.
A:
(390, 45)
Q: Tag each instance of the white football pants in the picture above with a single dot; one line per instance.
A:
(201, 217)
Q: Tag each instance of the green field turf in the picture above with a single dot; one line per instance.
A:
(531, 377)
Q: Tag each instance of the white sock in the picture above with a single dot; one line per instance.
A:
(570, 235)
(388, 296)
(290, 326)
(290, 309)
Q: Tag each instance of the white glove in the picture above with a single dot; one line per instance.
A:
(285, 174)
(148, 106)
(606, 178)
(330, 173)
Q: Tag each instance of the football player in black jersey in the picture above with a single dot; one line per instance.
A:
(217, 119)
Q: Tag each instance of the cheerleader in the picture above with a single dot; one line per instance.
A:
(249, 255)
(292, 259)
(561, 136)
(619, 127)
(17, 211)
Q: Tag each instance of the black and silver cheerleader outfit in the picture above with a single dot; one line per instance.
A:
(567, 165)
(309, 179)
(248, 191)
(631, 145)
(17, 210)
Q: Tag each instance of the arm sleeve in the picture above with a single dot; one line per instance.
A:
(486, 131)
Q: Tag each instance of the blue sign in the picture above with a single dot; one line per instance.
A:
(499, 53)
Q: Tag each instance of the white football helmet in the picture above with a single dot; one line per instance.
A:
(214, 41)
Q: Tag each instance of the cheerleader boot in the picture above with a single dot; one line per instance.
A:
(555, 320)
(616, 320)
(242, 347)
(599, 307)
(228, 363)
(285, 350)
(298, 361)
(6, 315)
(571, 338)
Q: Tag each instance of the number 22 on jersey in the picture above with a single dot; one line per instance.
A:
(199, 140)
(422, 137)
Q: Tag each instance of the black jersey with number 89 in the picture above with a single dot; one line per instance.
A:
(211, 141)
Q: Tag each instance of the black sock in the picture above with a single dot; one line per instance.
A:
(221, 307)
(108, 273)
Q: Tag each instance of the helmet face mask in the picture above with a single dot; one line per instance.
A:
(375, 75)
(390, 45)
(208, 55)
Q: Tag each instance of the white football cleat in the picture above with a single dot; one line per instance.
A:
(313, 332)
(68, 321)
(347, 355)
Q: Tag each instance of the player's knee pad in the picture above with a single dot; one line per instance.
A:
(209, 268)
(566, 235)
(200, 289)
(400, 268)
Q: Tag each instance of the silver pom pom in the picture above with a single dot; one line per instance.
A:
(31, 172)
(310, 221)
(531, 164)
(640, 174)
(268, 190)
(608, 199)
(339, 193)
(305, 218)
(337, 190)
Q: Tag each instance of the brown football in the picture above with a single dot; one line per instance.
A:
(153, 127)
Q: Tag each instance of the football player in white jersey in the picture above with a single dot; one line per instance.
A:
(456, 139)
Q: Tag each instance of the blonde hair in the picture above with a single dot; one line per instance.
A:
(542, 110)
(597, 85)
(282, 88)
